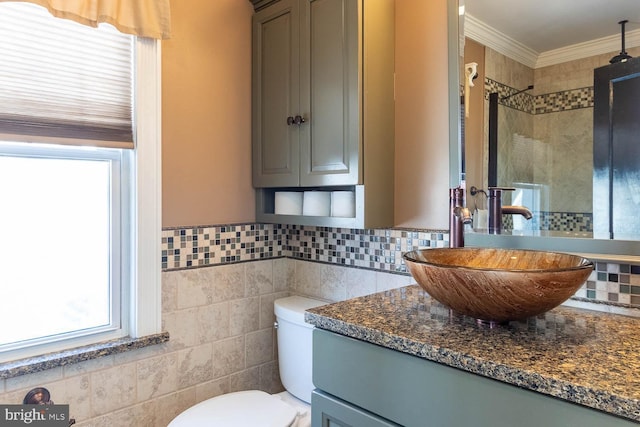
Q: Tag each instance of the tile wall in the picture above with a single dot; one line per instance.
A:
(221, 339)
(537, 105)
(217, 303)
(369, 249)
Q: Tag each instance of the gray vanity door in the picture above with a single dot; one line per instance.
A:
(330, 137)
(329, 411)
(275, 93)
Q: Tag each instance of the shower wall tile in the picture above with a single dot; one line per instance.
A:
(564, 100)
(546, 139)
(571, 99)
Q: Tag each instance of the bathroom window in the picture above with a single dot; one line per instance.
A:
(79, 184)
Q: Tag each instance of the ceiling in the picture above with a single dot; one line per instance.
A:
(545, 25)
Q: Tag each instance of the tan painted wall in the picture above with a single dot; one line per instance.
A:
(422, 133)
(206, 114)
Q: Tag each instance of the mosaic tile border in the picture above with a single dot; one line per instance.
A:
(374, 249)
(613, 282)
(220, 244)
(378, 249)
(579, 222)
(565, 221)
(509, 96)
(566, 100)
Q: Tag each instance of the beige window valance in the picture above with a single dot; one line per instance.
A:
(144, 18)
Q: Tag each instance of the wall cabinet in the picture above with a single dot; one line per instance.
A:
(323, 100)
(355, 379)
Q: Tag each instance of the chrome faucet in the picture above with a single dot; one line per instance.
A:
(458, 216)
(496, 210)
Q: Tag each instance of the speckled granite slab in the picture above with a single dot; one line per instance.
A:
(582, 356)
(32, 365)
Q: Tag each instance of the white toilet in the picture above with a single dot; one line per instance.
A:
(255, 408)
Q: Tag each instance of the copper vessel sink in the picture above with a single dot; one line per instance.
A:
(498, 284)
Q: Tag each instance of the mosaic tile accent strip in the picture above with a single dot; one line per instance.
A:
(563, 101)
(565, 221)
(566, 100)
(378, 249)
(579, 222)
(613, 282)
(509, 96)
(220, 244)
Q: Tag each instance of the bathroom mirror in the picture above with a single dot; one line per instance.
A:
(521, 52)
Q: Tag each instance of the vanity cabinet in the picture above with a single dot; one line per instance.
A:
(357, 381)
(323, 100)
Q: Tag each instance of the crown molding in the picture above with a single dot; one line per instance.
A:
(486, 35)
(604, 45)
(501, 43)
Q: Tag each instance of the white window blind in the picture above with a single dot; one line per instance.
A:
(63, 82)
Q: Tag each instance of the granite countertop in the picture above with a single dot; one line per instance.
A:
(582, 356)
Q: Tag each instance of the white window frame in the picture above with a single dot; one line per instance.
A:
(146, 277)
(142, 224)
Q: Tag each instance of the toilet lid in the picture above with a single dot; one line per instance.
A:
(252, 408)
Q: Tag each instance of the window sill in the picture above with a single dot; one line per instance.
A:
(32, 365)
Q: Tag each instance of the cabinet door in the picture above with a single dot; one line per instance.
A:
(275, 92)
(330, 138)
(328, 411)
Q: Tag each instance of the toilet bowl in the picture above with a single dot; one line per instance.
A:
(255, 408)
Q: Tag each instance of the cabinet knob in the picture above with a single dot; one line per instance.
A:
(297, 120)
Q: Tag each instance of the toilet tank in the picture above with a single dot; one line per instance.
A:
(295, 344)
